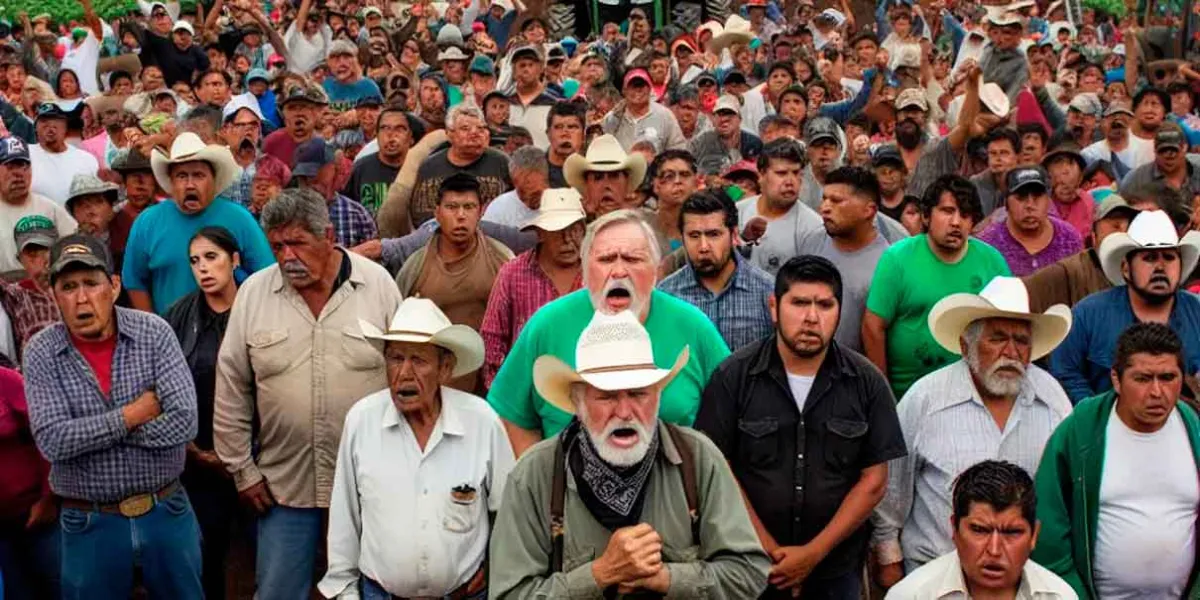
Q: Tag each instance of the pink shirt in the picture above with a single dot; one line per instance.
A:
(97, 146)
(1079, 213)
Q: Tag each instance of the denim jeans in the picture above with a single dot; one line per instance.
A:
(288, 541)
(369, 590)
(100, 550)
(29, 562)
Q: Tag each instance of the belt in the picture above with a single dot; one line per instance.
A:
(132, 507)
(458, 593)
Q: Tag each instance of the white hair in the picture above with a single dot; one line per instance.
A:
(465, 109)
(618, 217)
(617, 457)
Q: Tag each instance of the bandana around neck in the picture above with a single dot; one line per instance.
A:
(615, 489)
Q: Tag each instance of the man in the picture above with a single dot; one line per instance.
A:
(1147, 266)
(535, 277)
(1033, 142)
(157, 271)
(763, 99)
(929, 158)
(620, 265)
(112, 407)
(241, 131)
(1118, 147)
(530, 173)
(566, 123)
(685, 106)
(637, 116)
(717, 280)
(17, 200)
(1074, 278)
(915, 273)
(292, 362)
(29, 303)
(301, 109)
(214, 87)
(1124, 463)
(1150, 107)
(483, 77)
(992, 404)
(468, 153)
(1003, 146)
(606, 177)
(374, 174)
(1065, 165)
(892, 174)
(458, 265)
(176, 53)
(317, 169)
(271, 176)
(347, 85)
(995, 529)
(823, 145)
(92, 203)
(1003, 62)
(773, 127)
(140, 193)
(1030, 237)
(530, 101)
(453, 64)
(617, 525)
(727, 143)
(850, 240)
(54, 163)
(383, 481)
(776, 212)
(1170, 166)
(798, 394)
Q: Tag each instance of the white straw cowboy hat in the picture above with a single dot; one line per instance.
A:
(736, 31)
(1004, 298)
(560, 208)
(994, 99)
(188, 147)
(614, 353)
(420, 321)
(604, 154)
(1149, 229)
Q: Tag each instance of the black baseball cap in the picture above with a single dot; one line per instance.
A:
(1026, 179)
(13, 149)
(1169, 137)
(888, 154)
(79, 250)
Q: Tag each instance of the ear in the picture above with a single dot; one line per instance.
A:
(329, 235)
(962, 345)
(446, 367)
(773, 307)
(1116, 380)
(236, 259)
(1037, 528)
(116, 283)
(1125, 267)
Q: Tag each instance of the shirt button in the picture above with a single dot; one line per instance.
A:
(800, 456)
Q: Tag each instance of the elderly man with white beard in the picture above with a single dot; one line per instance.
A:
(601, 510)
(620, 254)
(994, 404)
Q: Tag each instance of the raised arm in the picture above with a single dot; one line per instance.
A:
(210, 23)
(970, 109)
(93, 21)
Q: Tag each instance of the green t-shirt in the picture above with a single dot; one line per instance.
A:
(555, 329)
(909, 280)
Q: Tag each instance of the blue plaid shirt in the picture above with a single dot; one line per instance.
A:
(352, 222)
(82, 433)
(239, 191)
(739, 311)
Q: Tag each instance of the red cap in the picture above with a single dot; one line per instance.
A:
(742, 165)
(477, 27)
(637, 74)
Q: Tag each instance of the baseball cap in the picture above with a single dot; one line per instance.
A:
(734, 77)
(1026, 177)
(821, 128)
(706, 76)
(372, 11)
(84, 184)
(1169, 137)
(556, 52)
(182, 25)
(888, 154)
(50, 110)
(1118, 108)
(306, 93)
(912, 97)
(12, 149)
(1111, 204)
(311, 156)
(727, 102)
(369, 100)
(79, 250)
(637, 74)
(258, 74)
(1087, 104)
(531, 50)
(483, 65)
(742, 167)
(238, 102)
(34, 229)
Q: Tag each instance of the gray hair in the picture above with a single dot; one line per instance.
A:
(466, 109)
(299, 206)
(973, 332)
(529, 158)
(618, 217)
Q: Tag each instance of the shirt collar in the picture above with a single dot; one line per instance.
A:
(449, 419)
(737, 280)
(835, 364)
(961, 387)
(356, 272)
(952, 582)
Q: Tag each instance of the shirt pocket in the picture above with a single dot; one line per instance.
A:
(359, 353)
(461, 515)
(844, 441)
(760, 441)
(269, 352)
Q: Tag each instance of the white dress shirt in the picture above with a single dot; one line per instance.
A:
(942, 579)
(394, 515)
(947, 428)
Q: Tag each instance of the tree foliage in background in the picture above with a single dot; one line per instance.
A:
(63, 11)
(1116, 8)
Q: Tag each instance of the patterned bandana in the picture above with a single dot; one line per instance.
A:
(618, 489)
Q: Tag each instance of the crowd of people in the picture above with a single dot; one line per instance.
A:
(461, 300)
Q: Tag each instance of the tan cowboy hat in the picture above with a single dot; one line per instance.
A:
(614, 352)
(1149, 229)
(1004, 298)
(993, 98)
(188, 147)
(736, 31)
(560, 208)
(604, 154)
(419, 320)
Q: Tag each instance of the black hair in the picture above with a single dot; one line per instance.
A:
(458, 182)
(1004, 133)
(567, 109)
(206, 113)
(1162, 96)
(866, 35)
(1150, 338)
(219, 236)
(999, 484)
(782, 65)
(861, 121)
(1178, 87)
(707, 202)
(808, 268)
(784, 149)
(200, 75)
(966, 196)
(669, 154)
(776, 120)
(1037, 129)
(863, 181)
(115, 76)
(393, 109)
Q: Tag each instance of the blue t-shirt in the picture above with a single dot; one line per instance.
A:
(156, 255)
(343, 96)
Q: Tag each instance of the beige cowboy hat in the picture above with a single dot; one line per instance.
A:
(1149, 229)
(614, 352)
(188, 147)
(1004, 298)
(420, 321)
(604, 154)
(736, 31)
(560, 208)
(993, 98)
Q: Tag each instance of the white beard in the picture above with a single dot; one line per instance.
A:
(993, 383)
(620, 457)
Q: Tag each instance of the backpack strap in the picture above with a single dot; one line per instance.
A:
(558, 492)
(688, 469)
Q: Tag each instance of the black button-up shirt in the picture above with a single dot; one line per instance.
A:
(797, 468)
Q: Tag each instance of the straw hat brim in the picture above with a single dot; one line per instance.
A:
(225, 169)
(951, 316)
(576, 165)
(1114, 248)
(552, 378)
(462, 341)
(557, 222)
(728, 38)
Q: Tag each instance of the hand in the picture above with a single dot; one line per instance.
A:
(881, 60)
(890, 575)
(372, 249)
(206, 459)
(633, 553)
(974, 74)
(44, 512)
(793, 564)
(142, 410)
(755, 228)
(659, 582)
(258, 497)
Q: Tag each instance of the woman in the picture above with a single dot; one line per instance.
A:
(66, 86)
(199, 321)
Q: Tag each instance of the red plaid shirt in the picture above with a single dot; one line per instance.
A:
(28, 308)
(520, 289)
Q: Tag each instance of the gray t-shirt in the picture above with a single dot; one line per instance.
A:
(779, 242)
(857, 269)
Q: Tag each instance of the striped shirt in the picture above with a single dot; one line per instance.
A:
(947, 428)
(739, 311)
